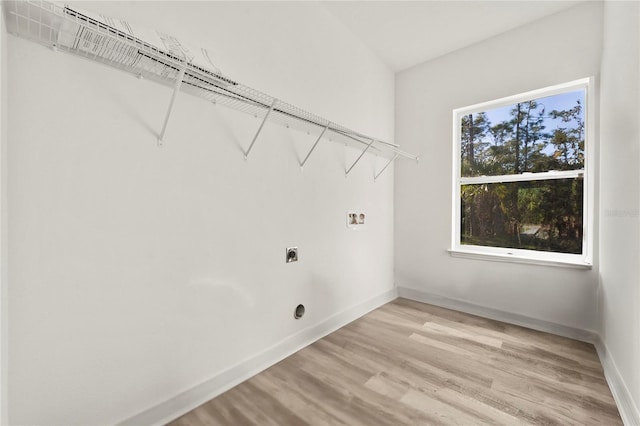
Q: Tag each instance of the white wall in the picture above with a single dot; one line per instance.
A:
(619, 302)
(556, 49)
(137, 273)
(3, 224)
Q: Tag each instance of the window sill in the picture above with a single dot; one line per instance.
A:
(517, 258)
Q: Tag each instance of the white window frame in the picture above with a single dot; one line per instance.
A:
(584, 260)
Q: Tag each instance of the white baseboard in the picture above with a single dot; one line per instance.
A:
(496, 314)
(626, 406)
(192, 398)
(199, 394)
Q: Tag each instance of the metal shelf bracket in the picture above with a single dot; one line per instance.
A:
(266, 116)
(176, 89)
(385, 166)
(314, 146)
(359, 157)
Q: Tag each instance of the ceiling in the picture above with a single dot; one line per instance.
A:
(406, 33)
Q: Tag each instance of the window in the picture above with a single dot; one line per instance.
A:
(522, 177)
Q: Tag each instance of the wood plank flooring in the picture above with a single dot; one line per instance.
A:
(409, 363)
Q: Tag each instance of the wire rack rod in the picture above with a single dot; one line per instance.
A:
(314, 146)
(359, 157)
(375, 178)
(164, 59)
(173, 100)
(266, 116)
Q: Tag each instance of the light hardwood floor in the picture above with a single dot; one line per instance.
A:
(409, 363)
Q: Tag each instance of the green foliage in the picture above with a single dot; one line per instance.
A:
(537, 215)
(569, 139)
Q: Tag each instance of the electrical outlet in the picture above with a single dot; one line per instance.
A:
(292, 254)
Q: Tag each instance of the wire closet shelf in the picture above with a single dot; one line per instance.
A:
(164, 59)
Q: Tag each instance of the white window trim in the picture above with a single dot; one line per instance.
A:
(584, 260)
(553, 174)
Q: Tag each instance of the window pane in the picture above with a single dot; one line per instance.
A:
(544, 215)
(538, 135)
